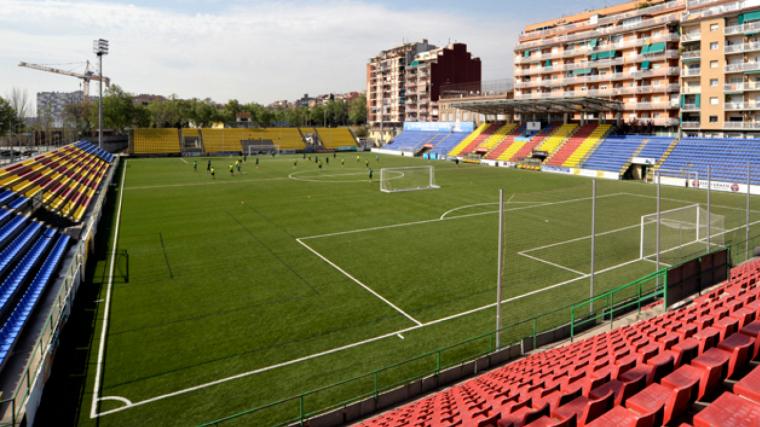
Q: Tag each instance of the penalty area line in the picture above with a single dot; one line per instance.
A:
(351, 345)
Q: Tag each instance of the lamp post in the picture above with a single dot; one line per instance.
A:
(100, 47)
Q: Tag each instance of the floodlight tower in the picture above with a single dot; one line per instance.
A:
(100, 47)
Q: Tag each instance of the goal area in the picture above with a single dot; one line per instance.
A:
(412, 178)
(683, 232)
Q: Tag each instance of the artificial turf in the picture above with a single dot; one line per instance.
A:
(247, 274)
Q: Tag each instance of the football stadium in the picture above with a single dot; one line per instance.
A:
(577, 245)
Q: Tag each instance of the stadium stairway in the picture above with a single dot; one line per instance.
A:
(469, 140)
(695, 365)
(664, 154)
(496, 138)
(587, 146)
(566, 149)
(523, 149)
(557, 138)
(505, 144)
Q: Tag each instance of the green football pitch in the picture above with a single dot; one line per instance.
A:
(244, 290)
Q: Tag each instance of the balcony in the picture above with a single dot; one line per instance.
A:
(691, 89)
(690, 108)
(691, 37)
(741, 87)
(744, 28)
(662, 71)
(691, 54)
(742, 106)
(691, 72)
(658, 121)
(742, 125)
(742, 47)
(650, 106)
(747, 66)
(596, 32)
(690, 125)
(612, 19)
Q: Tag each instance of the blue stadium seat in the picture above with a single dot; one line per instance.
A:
(12, 251)
(728, 158)
(13, 325)
(11, 228)
(20, 273)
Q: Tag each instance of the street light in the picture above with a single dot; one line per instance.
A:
(100, 47)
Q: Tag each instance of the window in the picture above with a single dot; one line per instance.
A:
(714, 27)
(714, 100)
(713, 82)
(714, 46)
(713, 119)
(713, 64)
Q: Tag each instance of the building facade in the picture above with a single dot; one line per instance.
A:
(403, 83)
(51, 105)
(628, 53)
(673, 65)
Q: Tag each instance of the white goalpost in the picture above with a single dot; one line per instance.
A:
(412, 178)
(684, 228)
(254, 149)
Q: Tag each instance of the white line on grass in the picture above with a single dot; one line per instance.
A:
(355, 344)
(551, 263)
(355, 280)
(427, 221)
(102, 344)
(183, 161)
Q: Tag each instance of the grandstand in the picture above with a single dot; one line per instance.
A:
(155, 141)
(505, 145)
(336, 138)
(51, 205)
(496, 138)
(728, 158)
(557, 138)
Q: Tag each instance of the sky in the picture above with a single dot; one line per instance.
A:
(252, 51)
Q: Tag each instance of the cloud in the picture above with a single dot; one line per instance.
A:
(252, 52)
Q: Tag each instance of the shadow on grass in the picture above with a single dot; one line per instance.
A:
(64, 394)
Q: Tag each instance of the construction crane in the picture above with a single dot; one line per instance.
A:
(86, 77)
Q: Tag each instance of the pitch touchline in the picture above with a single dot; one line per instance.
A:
(355, 280)
(355, 344)
(102, 344)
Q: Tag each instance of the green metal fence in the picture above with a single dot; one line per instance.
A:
(604, 307)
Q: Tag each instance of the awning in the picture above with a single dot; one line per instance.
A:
(526, 53)
(749, 17)
(683, 100)
(593, 42)
(645, 65)
(752, 72)
(414, 63)
(603, 55)
(697, 100)
(653, 48)
(582, 72)
(548, 63)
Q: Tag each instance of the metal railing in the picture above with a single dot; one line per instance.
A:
(477, 89)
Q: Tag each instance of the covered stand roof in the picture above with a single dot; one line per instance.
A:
(550, 105)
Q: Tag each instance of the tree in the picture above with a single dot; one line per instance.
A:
(19, 101)
(76, 116)
(357, 110)
(8, 118)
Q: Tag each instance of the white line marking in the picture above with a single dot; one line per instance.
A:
(427, 221)
(121, 399)
(355, 280)
(578, 239)
(356, 344)
(670, 199)
(102, 344)
(655, 262)
(551, 263)
(184, 161)
(400, 336)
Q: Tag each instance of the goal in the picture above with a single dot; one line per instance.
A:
(253, 149)
(407, 179)
(683, 232)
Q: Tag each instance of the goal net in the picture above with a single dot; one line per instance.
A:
(683, 232)
(407, 179)
(254, 149)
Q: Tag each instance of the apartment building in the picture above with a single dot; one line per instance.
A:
(386, 88)
(628, 53)
(403, 83)
(433, 70)
(720, 74)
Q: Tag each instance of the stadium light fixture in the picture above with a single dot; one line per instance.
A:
(100, 48)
